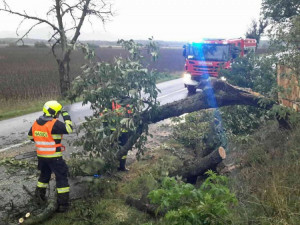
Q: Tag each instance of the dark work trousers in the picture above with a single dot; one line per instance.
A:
(59, 167)
(123, 140)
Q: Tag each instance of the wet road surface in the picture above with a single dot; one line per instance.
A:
(14, 131)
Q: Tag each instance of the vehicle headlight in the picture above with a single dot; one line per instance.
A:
(187, 76)
(223, 78)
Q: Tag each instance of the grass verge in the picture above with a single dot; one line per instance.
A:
(13, 108)
(107, 202)
(162, 77)
(267, 183)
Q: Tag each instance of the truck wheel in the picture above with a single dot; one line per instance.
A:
(191, 89)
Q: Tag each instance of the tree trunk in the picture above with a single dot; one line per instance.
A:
(142, 206)
(200, 166)
(216, 93)
(48, 212)
(64, 75)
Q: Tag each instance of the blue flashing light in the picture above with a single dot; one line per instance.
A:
(212, 103)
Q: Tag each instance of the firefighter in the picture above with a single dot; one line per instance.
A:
(47, 132)
(124, 132)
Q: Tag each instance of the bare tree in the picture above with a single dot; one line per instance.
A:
(256, 29)
(69, 17)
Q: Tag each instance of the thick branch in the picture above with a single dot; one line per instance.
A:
(24, 15)
(215, 94)
(28, 31)
(61, 26)
(47, 212)
(71, 8)
(142, 206)
(83, 15)
(200, 166)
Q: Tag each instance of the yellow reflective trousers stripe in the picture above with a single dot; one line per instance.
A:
(63, 190)
(42, 185)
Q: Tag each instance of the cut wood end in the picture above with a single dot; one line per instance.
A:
(222, 152)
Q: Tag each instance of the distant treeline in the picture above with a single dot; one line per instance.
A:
(28, 41)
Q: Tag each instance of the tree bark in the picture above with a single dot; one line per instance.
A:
(48, 212)
(215, 93)
(200, 166)
(142, 206)
(64, 75)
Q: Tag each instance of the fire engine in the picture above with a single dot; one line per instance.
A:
(205, 59)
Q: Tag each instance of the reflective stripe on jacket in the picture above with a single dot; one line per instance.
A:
(44, 140)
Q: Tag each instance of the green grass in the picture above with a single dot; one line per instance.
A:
(104, 211)
(29, 76)
(267, 182)
(107, 205)
(14, 108)
(168, 76)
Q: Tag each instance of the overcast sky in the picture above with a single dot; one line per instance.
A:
(173, 20)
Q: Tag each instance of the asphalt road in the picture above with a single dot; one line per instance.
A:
(13, 132)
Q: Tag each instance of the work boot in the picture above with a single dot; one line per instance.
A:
(62, 202)
(122, 166)
(40, 194)
(62, 208)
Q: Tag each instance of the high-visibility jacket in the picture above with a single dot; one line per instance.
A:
(116, 106)
(44, 140)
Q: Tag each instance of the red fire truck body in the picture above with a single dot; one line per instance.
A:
(204, 59)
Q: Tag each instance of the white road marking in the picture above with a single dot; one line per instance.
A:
(14, 146)
(28, 141)
(171, 93)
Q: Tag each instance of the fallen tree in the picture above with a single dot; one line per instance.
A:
(129, 83)
(221, 94)
(215, 93)
(102, 83)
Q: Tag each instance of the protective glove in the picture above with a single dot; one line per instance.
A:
(64, 112)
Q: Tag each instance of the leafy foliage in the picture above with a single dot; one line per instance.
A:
(199, 130)
(284, 36)
(285, 30)
(267, 184)
(256, 29)
(14, 165)
(257, 73)
(185, 204)
(86, 166)
(127, 82)
(242, 120)
(280, 10)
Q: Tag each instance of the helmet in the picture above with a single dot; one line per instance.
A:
(52, 108)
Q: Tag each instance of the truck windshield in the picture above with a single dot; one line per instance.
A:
(209, 52)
